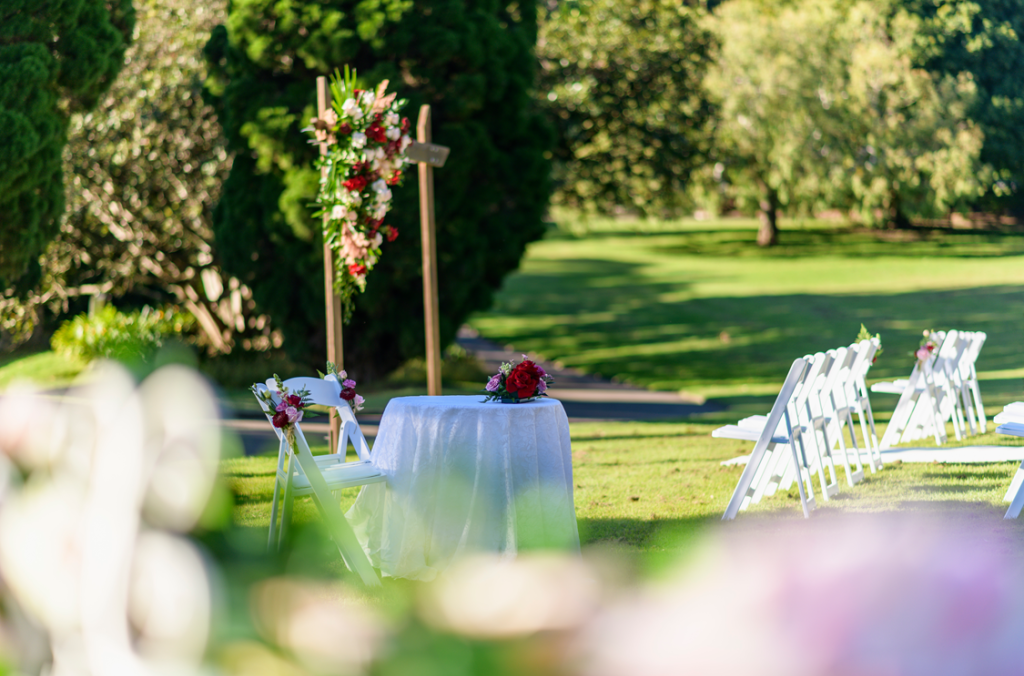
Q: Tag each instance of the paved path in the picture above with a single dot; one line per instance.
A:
(586, 398)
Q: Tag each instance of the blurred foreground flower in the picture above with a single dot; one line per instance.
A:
(101, 485)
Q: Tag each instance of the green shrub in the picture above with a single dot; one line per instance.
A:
(112, 334)
(474, 63)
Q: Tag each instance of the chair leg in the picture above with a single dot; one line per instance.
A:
(273, 514)
(286, 513)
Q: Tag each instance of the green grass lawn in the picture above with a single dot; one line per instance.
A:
(650, 489)
(696, 306)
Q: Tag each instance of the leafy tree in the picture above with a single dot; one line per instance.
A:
(56, 57)
(144, 170)
(984, 38)
(822, 106)
(622, 82)
(473, 62)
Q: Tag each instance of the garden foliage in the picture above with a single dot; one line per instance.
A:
(112, 334)
(823, 106)
(473, 63)
(55, 58)
(143, 172)
(623, 83)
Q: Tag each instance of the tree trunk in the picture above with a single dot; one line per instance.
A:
(897, 219)
(768, 234)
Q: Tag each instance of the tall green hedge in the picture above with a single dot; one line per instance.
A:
(56, 57)
(472, 60)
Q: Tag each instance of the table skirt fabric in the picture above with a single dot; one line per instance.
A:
(465, 476)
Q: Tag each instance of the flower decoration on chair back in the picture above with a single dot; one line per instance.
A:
(928, 346)
(348, 387)
(513, 384)
(287, 406)
(366, 140)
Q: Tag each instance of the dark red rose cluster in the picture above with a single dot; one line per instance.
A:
(524, 379)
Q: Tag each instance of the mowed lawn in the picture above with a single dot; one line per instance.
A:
(697, 307)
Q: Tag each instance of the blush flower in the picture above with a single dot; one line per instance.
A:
(494, 383)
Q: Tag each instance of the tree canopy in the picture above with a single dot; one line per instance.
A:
(56, 57)
(823, 106)
(623, 83)
(473, 63)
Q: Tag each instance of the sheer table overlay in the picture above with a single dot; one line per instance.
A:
(464, 476)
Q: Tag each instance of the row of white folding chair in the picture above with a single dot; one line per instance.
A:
(822, 399)
(322, 477)
(831, 399)
(941, 388)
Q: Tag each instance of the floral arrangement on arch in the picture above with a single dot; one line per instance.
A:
(366, 141)
(514, 384)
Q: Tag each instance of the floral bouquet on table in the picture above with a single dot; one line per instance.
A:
(928, 346)
(514, 384)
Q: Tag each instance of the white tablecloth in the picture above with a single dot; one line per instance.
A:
(466, 476)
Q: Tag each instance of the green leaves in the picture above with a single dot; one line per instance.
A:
(472, 63)
(54, 58)
(623, 84)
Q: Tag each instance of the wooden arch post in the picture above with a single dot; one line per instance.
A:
(428, 236)
(335, 346)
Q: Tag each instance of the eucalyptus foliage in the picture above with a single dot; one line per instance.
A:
(473, 62)
(56, 57)
(622, 82)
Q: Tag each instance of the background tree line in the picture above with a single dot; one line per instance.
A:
(172, 171)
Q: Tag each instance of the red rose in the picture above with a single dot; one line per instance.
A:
(357, 269)
(294, 400)
(395, 179)
(376, 133)
(348, 394)
(522, 381)
(360, 167)
(355, 184)
(391, 232)
(280, 419)
(344, 129)
(405, 124)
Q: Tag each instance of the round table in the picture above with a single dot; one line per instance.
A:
(463, 476)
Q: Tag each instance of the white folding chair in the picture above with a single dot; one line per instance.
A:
(779, 432)
(917, 410)
(300, 474)
(1011, 422)
(836, 412)
(856, 399)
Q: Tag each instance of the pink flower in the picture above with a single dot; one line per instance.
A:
(282, 406)
(348, 383)
(541, 386)
(358, 401)
(294, 414)
(494, 383)
(923, 353)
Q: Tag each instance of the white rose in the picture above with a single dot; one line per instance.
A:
(352, 109)
(358, 139)
(338, 212)
(378, 239)
(406, 142)
(379, 186)
(381, 212)
(393, 133)
(368, 98)
(391, 120)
